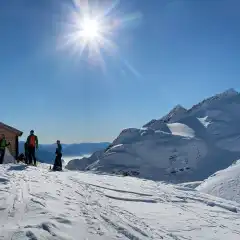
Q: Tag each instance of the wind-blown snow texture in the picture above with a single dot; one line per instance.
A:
(224, 183)
(184, 145)
(37, 204)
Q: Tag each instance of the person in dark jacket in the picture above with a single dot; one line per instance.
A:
(32, 145)
(26, 152)
(3, 145)
(58, 160)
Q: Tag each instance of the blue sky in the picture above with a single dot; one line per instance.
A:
(173, 51)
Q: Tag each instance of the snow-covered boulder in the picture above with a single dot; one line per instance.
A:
(184, 145)
(224, 183)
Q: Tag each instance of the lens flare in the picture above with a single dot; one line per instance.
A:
(91, 30)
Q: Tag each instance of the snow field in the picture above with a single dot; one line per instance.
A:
(38, 204)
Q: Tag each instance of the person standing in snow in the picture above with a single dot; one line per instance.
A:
(3, 145)
(26, 152)
(32, 145)
(58, 160)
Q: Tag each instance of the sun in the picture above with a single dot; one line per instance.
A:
(90, 29)
(90, 34)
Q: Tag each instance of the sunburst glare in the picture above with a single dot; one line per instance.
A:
(92, 29)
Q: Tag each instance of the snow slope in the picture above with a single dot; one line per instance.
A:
(224, 183)
(184, 145)
(36, 204)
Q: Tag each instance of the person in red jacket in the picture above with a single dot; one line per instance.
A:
(32, 145)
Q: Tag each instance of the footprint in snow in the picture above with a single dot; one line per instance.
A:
(62, 220)
(4, 180)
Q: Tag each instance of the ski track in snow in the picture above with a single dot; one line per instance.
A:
(38, 204)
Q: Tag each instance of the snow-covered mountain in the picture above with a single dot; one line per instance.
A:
(46, 152)
(37, 204)
(184, 145)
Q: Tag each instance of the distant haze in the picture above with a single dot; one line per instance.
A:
(69, 158)
(46, 152)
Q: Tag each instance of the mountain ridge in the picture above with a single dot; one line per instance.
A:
(179, 108)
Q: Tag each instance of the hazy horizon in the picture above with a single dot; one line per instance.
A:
(21, 139)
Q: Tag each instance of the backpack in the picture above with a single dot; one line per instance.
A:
(32, 141)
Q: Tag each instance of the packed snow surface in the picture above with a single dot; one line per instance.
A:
(224, 183)
(37, 204)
